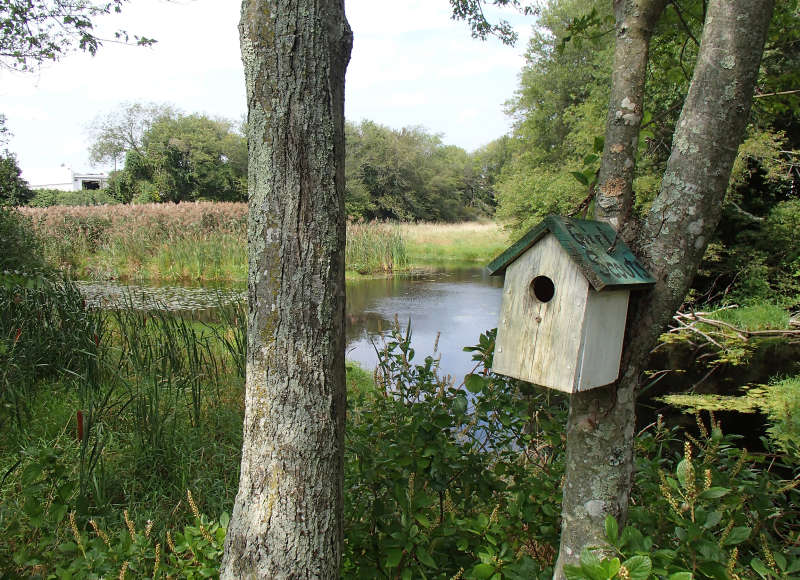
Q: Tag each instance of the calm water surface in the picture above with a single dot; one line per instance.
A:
(457, 304)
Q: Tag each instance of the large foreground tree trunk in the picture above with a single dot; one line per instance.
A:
(670, 240)
(287, 520)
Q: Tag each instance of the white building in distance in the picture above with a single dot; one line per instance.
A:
(65, 179)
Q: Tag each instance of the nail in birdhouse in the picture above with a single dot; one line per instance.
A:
(565, 301)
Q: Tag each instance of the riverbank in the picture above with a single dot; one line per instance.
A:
(123, 430)
(207, 242)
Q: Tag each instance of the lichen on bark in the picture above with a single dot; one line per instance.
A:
(287, 519)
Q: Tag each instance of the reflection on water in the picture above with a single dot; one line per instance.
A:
(460, 304)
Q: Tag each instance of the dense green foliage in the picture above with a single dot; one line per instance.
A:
(560, 111)
(14, 189)
(711, 510)
(406, 174)
(51, 197)
(184, 158)
(22, 254)
(110, 416)
(441, 479)
(411, 175)
(122, 129)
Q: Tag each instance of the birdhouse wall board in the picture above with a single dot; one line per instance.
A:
(603, 333)
(540, 341)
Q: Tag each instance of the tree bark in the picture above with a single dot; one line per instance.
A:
(635, 20)
(671, 241)
(287, 519)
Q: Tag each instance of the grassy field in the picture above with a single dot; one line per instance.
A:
(468, 242)
(208, 242)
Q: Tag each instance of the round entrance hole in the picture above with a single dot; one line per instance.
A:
(543, 288)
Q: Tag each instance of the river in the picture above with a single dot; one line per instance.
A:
(456, 305)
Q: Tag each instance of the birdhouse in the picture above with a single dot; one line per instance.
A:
(565, 302)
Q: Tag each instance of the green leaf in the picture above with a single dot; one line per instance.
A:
(393, 557)
(423, 520)
(711, 569)
(591, 566)
(31, 474)
(714, 492)
(639, 567)
(483, 571)
(760, 568)
(589, 558)
(599, 144)
(424, 557)
(780, 560)
(33, 507)
(612, 530)
(574, 572)
(68, 547)
(580, 177)
(738, 535)
(459, 404)
(712, 519)
(474, 383)
(58, 511)
(224, 519)
(612, 566)
(680, 576)
(591, 158)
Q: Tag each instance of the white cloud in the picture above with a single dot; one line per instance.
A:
(411, 65)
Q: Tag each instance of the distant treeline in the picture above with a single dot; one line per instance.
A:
(167, 156)
(411, 175)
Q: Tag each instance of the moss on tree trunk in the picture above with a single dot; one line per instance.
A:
(287, 520)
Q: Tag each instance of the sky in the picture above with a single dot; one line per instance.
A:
(411, 65)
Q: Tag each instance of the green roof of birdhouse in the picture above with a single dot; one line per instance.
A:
(594, 246)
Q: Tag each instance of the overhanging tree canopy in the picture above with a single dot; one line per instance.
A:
(33, 32)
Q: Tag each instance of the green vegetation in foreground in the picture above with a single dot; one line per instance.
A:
(439, 477)
(123, 428)
(207, 241)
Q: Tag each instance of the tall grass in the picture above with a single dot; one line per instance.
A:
(468, 242)
(178, 242)
(45, 331)
(139, 404)
(375, 247)
(206, 241)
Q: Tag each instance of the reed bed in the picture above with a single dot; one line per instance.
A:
(374, 247)
(178, 242)
(207, 241)
(139, 405)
